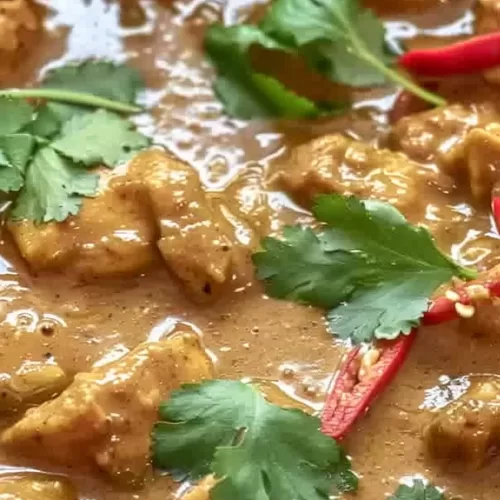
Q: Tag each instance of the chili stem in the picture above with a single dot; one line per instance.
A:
(70, 97)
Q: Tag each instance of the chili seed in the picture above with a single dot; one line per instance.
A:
(452, 295)
(478, 292)
(465, 310)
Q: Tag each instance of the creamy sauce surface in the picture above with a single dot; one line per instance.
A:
(249, 335)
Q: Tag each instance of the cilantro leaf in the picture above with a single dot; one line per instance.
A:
(301, 268)
(15, 152)
(45, 151)
(244, 92)
(104, 79)
(17, 149)
(15, 114)
(340, 39)
(48, 120)
(365, 259)
(417, 491)
(99, 137)
(54, 188)
(11, 178)
(257, 449)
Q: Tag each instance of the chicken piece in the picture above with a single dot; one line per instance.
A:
(486, 320)
(193, 238)
(158, 203)
(113, 235)
(33, 383)
(104, 418)
(468, 429)
(487, 20)
(201, 491)
(463, 140)
(336, 164)
(437, 134)
(19, 30)
(477, 161)
(36, 487)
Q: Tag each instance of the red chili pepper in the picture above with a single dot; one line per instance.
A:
(351, 396)
(495, 208)
(470, 56)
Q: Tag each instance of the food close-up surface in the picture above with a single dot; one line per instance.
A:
(249, 250)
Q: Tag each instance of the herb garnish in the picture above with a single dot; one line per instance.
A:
(372, 269)
(341, 40)
(417, 491)
(46, 150)
(255, 449)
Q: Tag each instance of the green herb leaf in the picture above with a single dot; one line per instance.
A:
(18, 149)
(48, 120)
(14, 115)
(417, 491)
(340, 39)
(244, 92)
(257, 449)
(53, 188)
(11, 178)
(45, 151)
(301, 268)
(366, 259)
(117, 82)
(99, 137)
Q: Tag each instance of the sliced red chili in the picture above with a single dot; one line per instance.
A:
(474, 55)
(351, 394)
(351, 397)
(495, 208)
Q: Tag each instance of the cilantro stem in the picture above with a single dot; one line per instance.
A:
(364, 53)
(468, 274)
(71, 97)
(405, 82)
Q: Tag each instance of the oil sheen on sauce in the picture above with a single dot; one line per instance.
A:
(283, 345)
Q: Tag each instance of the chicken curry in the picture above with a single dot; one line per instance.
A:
(121, 285)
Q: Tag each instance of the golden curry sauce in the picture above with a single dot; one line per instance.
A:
(54, 316)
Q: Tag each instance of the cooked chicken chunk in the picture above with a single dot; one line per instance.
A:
(193, 240)
(468, 430)
(463, 140)
(19, 28)
(32, 383)
(336, 164)
(104, 418)
(112, 235)
(477, 161)
(488, 21)
(435, 135)
(36, 487)
(158, 204)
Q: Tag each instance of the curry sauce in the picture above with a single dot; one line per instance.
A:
(87, 293)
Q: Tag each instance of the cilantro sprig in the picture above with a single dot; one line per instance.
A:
(340, 40)
(368, 266)
(47, 150)
(96, 84)
(418, 490)
(255, 449)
